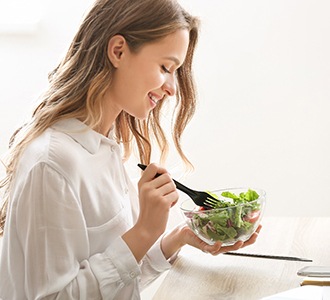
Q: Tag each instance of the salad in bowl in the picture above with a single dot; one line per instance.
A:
(235, 215)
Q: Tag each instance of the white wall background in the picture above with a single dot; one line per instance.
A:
(263, 75)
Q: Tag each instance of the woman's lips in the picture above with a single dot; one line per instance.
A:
(154, 98)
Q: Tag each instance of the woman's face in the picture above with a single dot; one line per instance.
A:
(144, 78)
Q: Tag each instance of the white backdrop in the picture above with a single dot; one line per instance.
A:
(263, 75)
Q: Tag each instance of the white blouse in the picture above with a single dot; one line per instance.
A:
(70, 203)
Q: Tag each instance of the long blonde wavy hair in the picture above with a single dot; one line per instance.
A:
(77, 85)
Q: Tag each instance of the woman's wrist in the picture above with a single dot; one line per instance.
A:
(172, 242)
(139, 241)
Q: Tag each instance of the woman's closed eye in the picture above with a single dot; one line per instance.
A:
(165, 69)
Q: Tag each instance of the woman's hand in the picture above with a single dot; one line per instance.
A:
(157, 194)
(183, 235)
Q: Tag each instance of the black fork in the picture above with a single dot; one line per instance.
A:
(203, 199)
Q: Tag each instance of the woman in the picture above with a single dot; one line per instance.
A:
(74, 226)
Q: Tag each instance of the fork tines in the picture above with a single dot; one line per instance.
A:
(211, 201)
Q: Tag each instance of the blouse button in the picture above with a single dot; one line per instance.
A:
(112, 148)
(132, 274)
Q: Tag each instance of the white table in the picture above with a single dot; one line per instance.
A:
(199, 276)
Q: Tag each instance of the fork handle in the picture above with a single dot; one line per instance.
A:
(183, 188)
(178, 185)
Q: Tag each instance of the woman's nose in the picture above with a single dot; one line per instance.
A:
(169, 86)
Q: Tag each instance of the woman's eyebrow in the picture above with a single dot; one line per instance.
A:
(174, 59)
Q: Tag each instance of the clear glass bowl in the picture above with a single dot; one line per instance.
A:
(229, 224)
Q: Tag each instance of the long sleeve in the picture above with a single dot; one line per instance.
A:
(54, 238)
(154, 263)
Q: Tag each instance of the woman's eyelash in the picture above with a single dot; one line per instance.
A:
(165, 69)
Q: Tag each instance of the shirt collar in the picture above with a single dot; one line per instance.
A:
(81, 133)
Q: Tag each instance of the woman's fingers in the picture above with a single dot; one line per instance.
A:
(253, 237)
(151, 172)
(156, 182)
(158, 178)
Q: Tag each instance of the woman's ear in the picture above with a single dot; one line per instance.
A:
(116, 47)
